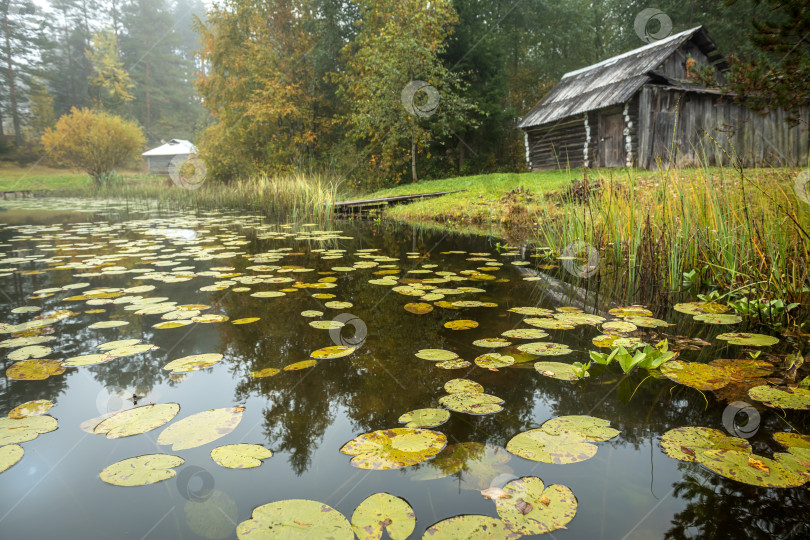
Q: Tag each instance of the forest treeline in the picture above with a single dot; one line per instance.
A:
(276, 86)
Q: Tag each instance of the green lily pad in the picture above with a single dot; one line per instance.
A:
(531, 508)
(107, 324)
(138, 420)
(458, 363)
(31, 408)
(240, 456)
(141, 470)
(472, 403)
(268, 294)
(541, 348)
(749, 468)
(32, 351)
(394, 448)
(454, 386)
(646, 322)
(698, 308)
(117, 344)
(293, 519)
(131, 350)
(424, 418)
(194, 362)
(17, 430)
(34, 370)
(789, 440)
(592, 428)
(579, 318)
(712, 318)
(525, 333)
(326, 325)
(335, 351)
(696, 375)
(491, 343)
(475, 527)
(683, 443)
(311, 313)
(621, 327)
(797, 461)
(266, 372)
(536, 311)
(557, 370)
(754, 340)
(25, 341)
(783, 397)
(744, 368)
(87, 360)
(10, 454)
(494, 361)
(201, 428)
(548, 323)
(436, 355)
(558, 448)
(381, 513)
(631, 311)
(461, 324)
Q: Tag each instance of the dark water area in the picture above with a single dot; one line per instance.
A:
(628, 489)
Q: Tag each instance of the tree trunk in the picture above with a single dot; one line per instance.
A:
(413, 158)
(12, 90)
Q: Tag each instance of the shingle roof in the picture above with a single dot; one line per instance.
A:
(609, 82)
(172, 148)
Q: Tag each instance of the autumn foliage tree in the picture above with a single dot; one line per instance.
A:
(93, 141)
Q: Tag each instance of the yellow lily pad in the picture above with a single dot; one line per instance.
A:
(87, 360)
(246, 320)
(137, 420)
(17, 430)
(525, 333)
(35, 370)
(424, 418)
(141, 470)
(418, 308)
(298, 366)
(266, 372)
(749, 468)
(558, 447)
(529, 507)
(107, 324)
(542, 348)
(118, 344)
(436, 355)
(494, 361)
(454, 386)
(30, 352)
(754, 340)
(471, 526)
(295, 519)
(491, 343)
(201, 428)
(208, 319)
(697, 375)
(557, 370)
(461, 324)
(240, 456)
(383, 513)
(336, 351)
(326, 325)
(194, 362)
(31, 408)
(472, 403)
(783, 397)
(10, 454)
(394, 448)
(685, 442)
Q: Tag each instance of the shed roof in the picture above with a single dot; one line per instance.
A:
(612, 81)
(172, 148)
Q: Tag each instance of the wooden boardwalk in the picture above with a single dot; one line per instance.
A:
(364, 206)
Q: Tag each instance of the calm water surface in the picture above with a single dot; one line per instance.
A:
(629, 489)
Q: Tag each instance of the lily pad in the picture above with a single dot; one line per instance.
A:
(696, 375)
(10, 454)
(491, 343)
(789, 440)
(557, 370)
(698, 308)
(32, 351)
(240, 456)
(131, 350)
(458, 363)
(525, 333)
(87, 360)
(31, 408)
(110, 345)
(454, 386)
(531, 508)
(461, 324)
(621, 327)
(754, 340)
(293, 519)
(744, 368)
(141, 470)
(107, 324)
(494, 361)
(472, 403)
(311, 313)
(266, 372)
(35, 370)
(17, 430)
(540, 348)
(592, 428)
(246, 320)
(550, 324)
(424, 418)
(381, 513)
(683, 443)
(749, 468)
(436, 355)
(207, 319)
(394, 448)
(335, 351)
(201, 428)
(474, 527)
(326, 325)
(195, 362)
(558, 448)
(647, 322)
(138, 420)
(631, 311)
(418, 308)
(783, 397)
(720, 318)
(298, 366)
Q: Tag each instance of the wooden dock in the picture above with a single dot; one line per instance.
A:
(366, 206)
(18, 194)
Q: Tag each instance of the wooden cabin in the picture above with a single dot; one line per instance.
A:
(642, 109)
(158, 159)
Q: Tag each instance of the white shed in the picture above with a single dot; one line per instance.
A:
(158, 159)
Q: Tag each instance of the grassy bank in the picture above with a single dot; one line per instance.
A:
(41, 178)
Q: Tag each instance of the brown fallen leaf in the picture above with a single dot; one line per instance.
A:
(757, 464)
(523, 507)
(494, 493)
(545, 500)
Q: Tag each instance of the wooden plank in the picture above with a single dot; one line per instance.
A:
(397, 199)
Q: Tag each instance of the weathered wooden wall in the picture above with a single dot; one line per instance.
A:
(559, 145)
(686, 128)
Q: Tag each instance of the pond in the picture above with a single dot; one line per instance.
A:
(313, 336)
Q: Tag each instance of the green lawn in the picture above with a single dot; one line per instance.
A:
(38, 177)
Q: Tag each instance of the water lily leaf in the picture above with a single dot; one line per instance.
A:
(311, 313)
(742, 338)
(131, 350)
(195, 362)
(17, 430)
(494, 361)
(141, 470)
(293, 519)
(138, 420)
(326, 325)
(425, 418)
(788, 440)
(32, 351)
(797, 461)
(475, 527)
(25, 341)
(631, 311)
(491, 343)
(246, 320)
(558, 448)
(646, 322)
(26, 309)
(683, 443)
(698, 308)
(10, 454)
(87, 360)
(696, 375)
(711, 318)
(744, 368)
(110, 345)
(454, 386)
(525, 333)
(34, 370)
(266, 372)
(31, 408)
(380, 513)
(461, 324)
(336, 351)
(268, 294)
(168, 325)
(394, 448)
(532, 508)
(604, 340)
(418, 308)
(298, 366)
(540, 348)
(240, 456)
(458, 363)
(207, 319)
(472, 403)
(783, 397)
(107, 324)
(621, 327)
(749, 468)
(436, 355)
(557, 370)
(579, 318)
(338, 305)
(201, 428)
(550, 324)
(592, 428)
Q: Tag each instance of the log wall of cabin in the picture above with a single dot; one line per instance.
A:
(686, 128)
(559, 145)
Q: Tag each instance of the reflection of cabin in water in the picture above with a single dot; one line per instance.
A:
(158, 159)
(644, 107)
